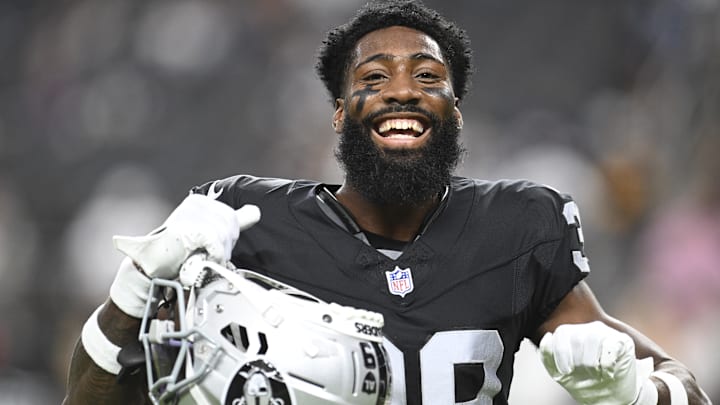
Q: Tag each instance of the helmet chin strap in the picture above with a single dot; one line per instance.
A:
(189, 318)
(195, 392)
(191, 275)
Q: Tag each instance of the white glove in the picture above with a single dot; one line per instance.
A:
(596, 364)
(198, 224)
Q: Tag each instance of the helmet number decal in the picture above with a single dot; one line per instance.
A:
(373, 357)
(368, 355)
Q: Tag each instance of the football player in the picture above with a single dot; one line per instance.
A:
(462, 269)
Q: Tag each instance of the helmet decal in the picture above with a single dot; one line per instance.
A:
(238, 336)
(258, 383)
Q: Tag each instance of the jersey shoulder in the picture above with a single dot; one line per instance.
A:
(247, 189)
(519, 204)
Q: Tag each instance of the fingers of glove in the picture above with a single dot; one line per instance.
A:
(587, 342)
(618, 351)
(158, 254)
(547, 354)
(603, 348)
(199, 214)
(217, 253)
(557, 354)
(202, 211)
(199, 223)
(577, 346)
(595, 363)
(565, 351)
(217, 238)
(248, 215)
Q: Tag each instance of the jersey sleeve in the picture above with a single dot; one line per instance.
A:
(561, 261)
(223, 190)
(239, 190)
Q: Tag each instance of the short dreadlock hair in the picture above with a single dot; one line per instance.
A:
(335, 53)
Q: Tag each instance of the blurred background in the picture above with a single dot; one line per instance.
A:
(111, 110)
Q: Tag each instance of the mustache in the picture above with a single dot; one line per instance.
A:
(407, 108)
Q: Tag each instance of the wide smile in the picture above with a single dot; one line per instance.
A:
(401, 130)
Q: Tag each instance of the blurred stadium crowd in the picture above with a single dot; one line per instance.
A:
(110, 110)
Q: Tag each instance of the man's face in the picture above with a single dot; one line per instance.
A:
(398, 120)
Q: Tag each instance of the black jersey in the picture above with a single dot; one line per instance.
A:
(488, 269)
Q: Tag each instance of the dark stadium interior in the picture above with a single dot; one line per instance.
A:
(111, 110)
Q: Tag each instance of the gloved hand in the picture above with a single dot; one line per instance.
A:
(596, 364)
(198, 224)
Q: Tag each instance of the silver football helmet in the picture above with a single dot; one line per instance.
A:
(237, 337)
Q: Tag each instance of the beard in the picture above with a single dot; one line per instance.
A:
(406, 177)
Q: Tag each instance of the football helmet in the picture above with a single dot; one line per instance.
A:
(236, 337)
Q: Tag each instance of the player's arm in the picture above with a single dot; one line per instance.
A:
(90, 383)
(198, 224)
(596, 362)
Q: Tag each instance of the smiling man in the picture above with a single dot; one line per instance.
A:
(398, 120)
(462, 269)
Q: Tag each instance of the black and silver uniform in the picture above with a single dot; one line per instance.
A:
(491, 263)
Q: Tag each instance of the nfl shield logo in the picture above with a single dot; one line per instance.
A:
(400, 281)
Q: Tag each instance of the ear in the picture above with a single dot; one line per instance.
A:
(339, 115)
(458, 115)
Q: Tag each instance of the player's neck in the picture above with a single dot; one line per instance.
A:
(398, 222)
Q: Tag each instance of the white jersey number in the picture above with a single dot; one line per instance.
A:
(572, 216)
(438, 359)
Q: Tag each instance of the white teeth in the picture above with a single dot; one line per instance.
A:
(401, 124)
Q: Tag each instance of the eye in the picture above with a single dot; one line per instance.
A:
(427, 77)
(373, 77)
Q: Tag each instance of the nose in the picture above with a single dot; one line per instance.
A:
(401, 89)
